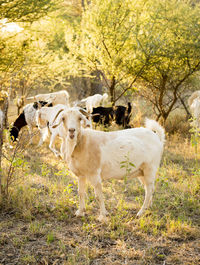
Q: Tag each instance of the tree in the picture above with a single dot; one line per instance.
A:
(168, 36)
(102, 43)
(155, 43)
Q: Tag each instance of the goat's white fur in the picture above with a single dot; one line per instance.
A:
(194, 104)
(60, 97)
(96, 155)
(94, 101)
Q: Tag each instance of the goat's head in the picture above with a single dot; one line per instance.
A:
(72, 119)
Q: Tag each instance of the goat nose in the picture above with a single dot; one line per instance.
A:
(72, 130)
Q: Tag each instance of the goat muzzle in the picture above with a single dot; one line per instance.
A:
(71, 133)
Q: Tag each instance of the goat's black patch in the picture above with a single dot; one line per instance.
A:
(18, 124)
(42, 103)
(35, 105)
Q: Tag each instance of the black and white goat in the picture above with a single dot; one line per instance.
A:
(28, 117)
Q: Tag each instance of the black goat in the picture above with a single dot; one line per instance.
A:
(103, 115)
(120, 114)
(21, 120)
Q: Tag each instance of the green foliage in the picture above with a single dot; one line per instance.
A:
(168, 38)
(26, 10)
(153, 43)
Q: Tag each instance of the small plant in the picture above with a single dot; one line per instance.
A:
(36, 227)
(50, 237)
(128, 165)
(27, 259)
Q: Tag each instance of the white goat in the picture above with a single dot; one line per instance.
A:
(97, 155)
(194, 104)
(60, 97)
(94, 101)
(45, 118)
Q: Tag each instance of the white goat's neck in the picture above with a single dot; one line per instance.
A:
(70, 149)
(71, 144)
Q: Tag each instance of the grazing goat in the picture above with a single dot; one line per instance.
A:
(94, 101)
(45, 118)
(60, 97)
(28, 117)
(120, 114)
(194, 104)
(96, 155)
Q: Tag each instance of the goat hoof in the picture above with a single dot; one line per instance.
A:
(79, 213)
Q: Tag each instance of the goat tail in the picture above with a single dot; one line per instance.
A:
(194, 95)
(156, 127)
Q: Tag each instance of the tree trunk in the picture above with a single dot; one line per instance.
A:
(185, 107)
(96, 84)
(112, 91)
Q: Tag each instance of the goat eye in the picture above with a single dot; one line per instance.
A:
(63, 119)
(79, 118)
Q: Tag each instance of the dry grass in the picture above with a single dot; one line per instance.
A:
(38, 225)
